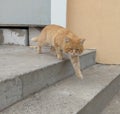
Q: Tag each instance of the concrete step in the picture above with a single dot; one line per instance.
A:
(74, 96)
(114, 106)
(24, 72)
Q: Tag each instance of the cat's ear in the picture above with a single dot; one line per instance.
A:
(82, 41)
(67, 39)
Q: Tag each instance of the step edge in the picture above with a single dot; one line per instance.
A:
(95, 105)
(58, 62)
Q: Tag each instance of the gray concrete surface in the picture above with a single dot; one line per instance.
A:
(14, 36)
(70, 95)
(114, 106)
(98, 103)
(23, 71)
(17, 60)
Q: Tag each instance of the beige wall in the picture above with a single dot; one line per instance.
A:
(99, 22)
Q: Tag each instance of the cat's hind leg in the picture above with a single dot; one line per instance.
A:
(52, 49)
(39, 49)
(34, 47)
(40, 43)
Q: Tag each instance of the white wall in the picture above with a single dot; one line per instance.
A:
(58, 12)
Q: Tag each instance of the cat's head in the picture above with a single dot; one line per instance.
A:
(73, 46)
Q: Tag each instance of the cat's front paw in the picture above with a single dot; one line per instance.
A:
(60, 57)
(79, 75)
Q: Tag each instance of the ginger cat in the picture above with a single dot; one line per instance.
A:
(63, 41)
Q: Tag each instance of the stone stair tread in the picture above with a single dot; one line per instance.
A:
(24, 72)
(70, 95)
(114, 106)
(17, 60)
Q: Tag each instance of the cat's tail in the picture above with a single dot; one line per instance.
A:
(35, 39)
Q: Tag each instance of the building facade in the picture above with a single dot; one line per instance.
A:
(98, 21)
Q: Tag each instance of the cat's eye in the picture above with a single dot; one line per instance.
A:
(69, 48)
(77, 49)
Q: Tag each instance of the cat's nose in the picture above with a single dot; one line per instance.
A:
(74, 51)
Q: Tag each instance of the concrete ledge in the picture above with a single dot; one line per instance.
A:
(73, 96)
(24, 72)
(113, 107)
(99, 102)
(10, 92)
